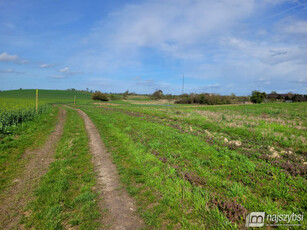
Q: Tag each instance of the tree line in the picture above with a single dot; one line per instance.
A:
(208, 98)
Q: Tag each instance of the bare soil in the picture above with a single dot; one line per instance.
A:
(121, 207)
(15, 198)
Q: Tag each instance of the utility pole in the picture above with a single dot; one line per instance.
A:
(182, 83)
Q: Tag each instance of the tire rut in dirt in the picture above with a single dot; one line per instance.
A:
(121, 207)
(16, 197)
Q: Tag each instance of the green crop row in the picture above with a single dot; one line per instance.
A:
(10, 118)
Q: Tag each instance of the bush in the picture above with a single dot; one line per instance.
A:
(100, 96)
(298, 98)
(257, 97)
(158, 94)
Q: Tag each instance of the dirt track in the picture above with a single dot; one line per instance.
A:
(121, 208)
(19, 194)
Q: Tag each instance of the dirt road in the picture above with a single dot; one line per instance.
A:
(121, 208)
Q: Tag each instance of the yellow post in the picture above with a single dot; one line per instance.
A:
(36, 100)
(74, 100)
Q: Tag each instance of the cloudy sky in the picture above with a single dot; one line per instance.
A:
(221, 46)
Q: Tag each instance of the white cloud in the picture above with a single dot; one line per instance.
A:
(5, 57)
(176, 22)
(43, 66)
(175, 29)
(296, 27)
(64, 70)
(269, 53)
(67, 71)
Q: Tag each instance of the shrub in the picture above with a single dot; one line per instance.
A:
(158, 94)
(257, 97)
(100, 96)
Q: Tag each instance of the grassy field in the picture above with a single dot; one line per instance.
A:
(208, 166)
(190, 167)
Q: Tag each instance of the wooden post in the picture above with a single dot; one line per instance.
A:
(74, 99)
(36, 100)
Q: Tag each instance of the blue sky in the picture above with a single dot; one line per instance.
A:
(221, 46)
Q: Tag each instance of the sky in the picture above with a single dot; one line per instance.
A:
(219, 46)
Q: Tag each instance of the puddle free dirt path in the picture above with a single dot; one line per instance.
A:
(15, 198)
(121, 208)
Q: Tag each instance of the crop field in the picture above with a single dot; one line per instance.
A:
(207, 167)
(17, 106)
(45, 96)
(185, 166)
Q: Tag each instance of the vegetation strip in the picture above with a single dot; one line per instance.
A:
(121, 207)
(19, 139)
(16, 196)
(65, 197)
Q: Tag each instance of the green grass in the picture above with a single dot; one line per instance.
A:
(17, 139)
(174, 161)
(138, 97)
(65, 197)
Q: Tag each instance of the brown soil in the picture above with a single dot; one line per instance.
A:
(15, 198)
(121, 208)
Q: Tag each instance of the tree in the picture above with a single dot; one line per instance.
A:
(289, 96)
(298, 98)
(157, 94)
(257, 97)
(125, 94)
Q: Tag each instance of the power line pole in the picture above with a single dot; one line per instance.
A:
(182, 83)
